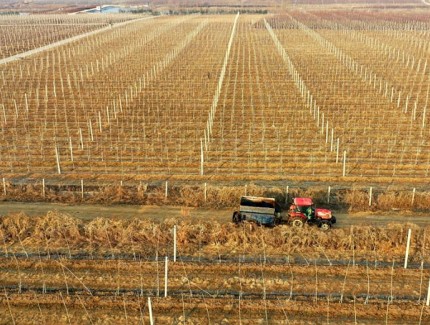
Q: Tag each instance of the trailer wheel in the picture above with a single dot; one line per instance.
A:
(236, 217)
(297, 222)
(325, 225)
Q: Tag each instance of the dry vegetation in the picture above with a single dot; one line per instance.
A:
(335, 97)
(59, 269)
(61, 233)
(339, 198)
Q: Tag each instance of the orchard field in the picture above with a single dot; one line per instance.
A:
(59, 269)
(202, 106)
(304, 95)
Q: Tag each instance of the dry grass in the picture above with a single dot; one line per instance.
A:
(217, 196)
(59, 232)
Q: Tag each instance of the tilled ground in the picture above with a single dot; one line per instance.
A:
(63, 291)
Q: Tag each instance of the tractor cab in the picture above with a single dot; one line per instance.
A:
(301, 206)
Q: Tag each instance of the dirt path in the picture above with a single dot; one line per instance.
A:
(89, 212)
(23, 55)
(160, 213)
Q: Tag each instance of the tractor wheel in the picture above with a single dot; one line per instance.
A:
(325, 225)
(236, 217)
(297, 222)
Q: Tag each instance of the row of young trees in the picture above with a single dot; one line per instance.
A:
(356, 96)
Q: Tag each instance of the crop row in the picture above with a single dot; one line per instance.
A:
(249, 279)
(59, 308)
(357, 101)
(205, 293)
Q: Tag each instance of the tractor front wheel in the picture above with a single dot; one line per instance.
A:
(325, 225)
(297, 222)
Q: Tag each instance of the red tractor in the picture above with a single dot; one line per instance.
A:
(303, 211)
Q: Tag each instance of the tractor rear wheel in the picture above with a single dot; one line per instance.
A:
(297, 222)
(325, 225)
